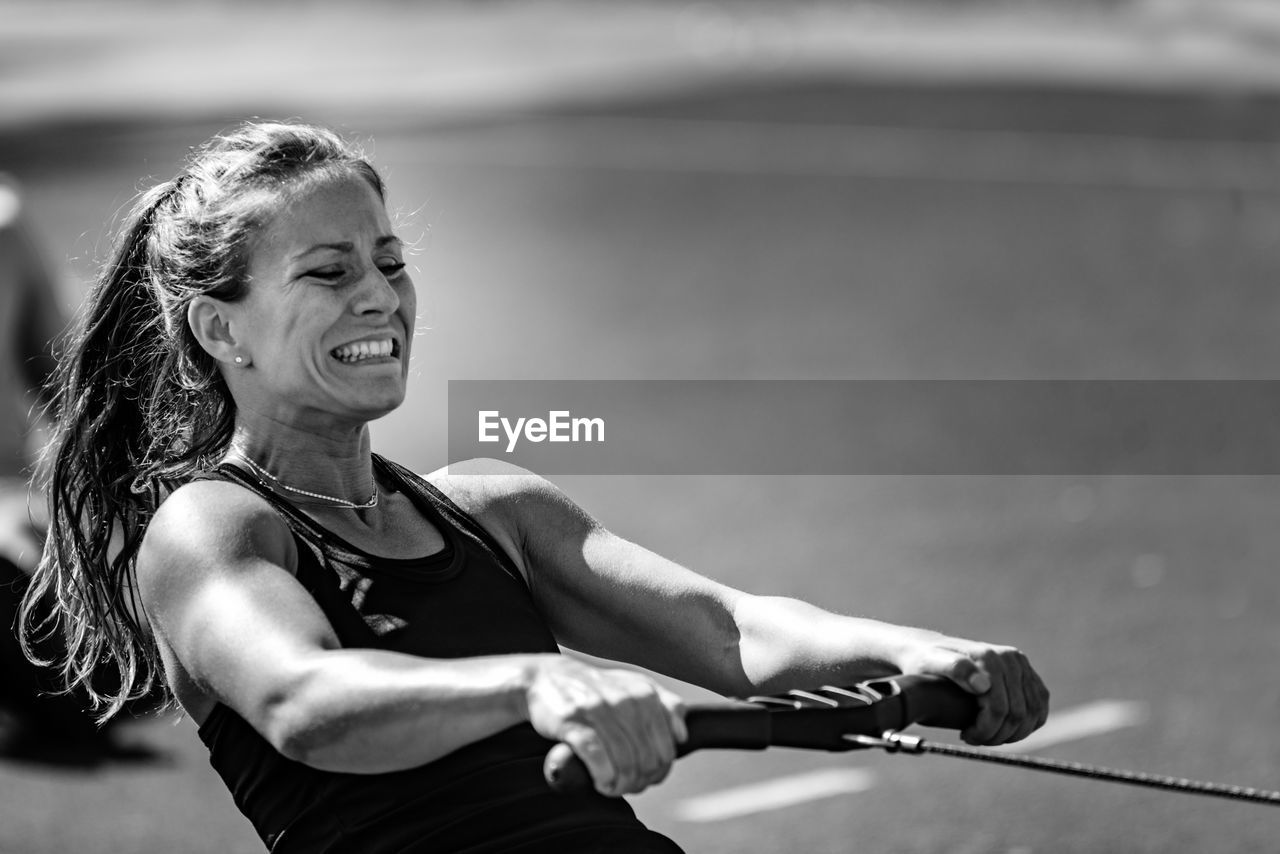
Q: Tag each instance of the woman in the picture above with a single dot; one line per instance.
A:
(371, 656)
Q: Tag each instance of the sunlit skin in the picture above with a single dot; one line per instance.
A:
(326, 271)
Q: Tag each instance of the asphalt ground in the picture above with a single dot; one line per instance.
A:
(802, 231)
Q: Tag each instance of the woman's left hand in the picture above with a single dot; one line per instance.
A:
(1012, 699)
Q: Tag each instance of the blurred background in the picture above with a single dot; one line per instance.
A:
(802, 190)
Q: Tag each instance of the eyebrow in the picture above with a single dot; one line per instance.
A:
(348, 246)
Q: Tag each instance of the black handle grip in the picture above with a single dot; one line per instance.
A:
(802, 719)
(927, 700)
(564, 771)
(738, 726)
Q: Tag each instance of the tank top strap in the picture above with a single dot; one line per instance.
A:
(303, 527)
(318, 559)
(430, 497)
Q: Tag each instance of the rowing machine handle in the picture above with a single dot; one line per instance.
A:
(927, 700)
(816, 720)
(732, 724)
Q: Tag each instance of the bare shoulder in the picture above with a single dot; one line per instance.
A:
(207, 525)
(481, 486)
(515, 505)
(492, 488)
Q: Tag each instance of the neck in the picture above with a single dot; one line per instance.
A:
(338, 466)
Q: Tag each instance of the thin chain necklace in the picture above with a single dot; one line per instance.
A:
(341, 502)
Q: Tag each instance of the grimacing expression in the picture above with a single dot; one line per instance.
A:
(329, 314)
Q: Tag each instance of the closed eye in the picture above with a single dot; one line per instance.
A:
(328, 275)
(333, 274)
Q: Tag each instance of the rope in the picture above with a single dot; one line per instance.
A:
(896, 742)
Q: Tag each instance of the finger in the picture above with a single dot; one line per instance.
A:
(1038, 700)
(667, 729)
(1028, 698)
(966, 673)
(1033, 700)
(993, 706)
(619, 737)
(662, 774)
(656, 747)
(1016, 715)
(634, 721)
(675, 708)
(588, 747)
(660, 734)
(1032, 721)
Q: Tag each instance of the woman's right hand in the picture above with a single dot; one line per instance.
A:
(621, 724)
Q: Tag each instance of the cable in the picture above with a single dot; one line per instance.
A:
(894, 742)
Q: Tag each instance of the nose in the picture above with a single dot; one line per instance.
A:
(375, 294)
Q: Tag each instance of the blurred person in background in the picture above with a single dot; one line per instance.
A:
(372, 656)
(40, 722)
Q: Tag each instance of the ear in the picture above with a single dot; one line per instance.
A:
(210, 322)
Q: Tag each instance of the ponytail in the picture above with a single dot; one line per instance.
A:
(96, 516)
(139, 407)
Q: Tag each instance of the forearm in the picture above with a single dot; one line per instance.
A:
(785, 643)
(370, 711)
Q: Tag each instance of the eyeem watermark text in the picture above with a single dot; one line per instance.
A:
(558, 426)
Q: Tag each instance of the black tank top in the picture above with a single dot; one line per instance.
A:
(466, 600)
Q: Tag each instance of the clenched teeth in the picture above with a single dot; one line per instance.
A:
(362, 350)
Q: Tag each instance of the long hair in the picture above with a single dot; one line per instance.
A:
(139, 407)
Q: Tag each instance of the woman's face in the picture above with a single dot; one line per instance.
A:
(327, 322)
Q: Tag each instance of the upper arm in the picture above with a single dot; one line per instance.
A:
(216, 577)
(604, 595)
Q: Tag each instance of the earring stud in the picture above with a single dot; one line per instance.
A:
(239, 360)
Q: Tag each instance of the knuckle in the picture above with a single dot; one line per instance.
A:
(1005, 655)
(670, 699)
(628, 680)
(584, 711)
(648, 693)
(586, 743)
(652, 772)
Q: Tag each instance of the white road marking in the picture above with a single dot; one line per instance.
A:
(1071, 724)
(1082, 722)
(774, 794)
(10, 204)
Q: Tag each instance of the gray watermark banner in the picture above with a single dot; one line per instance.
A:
(872, 427)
